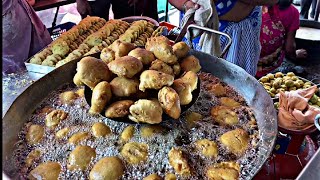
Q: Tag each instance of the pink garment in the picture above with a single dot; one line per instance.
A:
(276, 24)
(23, 34)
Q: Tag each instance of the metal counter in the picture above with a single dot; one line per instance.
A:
(311, 170)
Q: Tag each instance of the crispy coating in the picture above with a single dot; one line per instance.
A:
(68, 97)
(190, 78)
(118, 109)
(180, 49)
(54, 118)
(77, 81)
(124, 87)
(100, 129)
(179, 162)
(146, 111)
(190, 63)
(184, 91)
(47, 170)
(126, 66)
(101, 96)
(78, 137)
(107, 55)
(237, 141)
(145, 56)
(60, 47)
(224, 115)
(135, 153)
(176, 69)
(161, 49)
(62, 133)
(91, 71)
(170, 102)
(207, 148)
(223, 171)
(217, 89)
(161, 66)
(151, 79)
(80, 158)
(121, 48)
(127, 133)
(108, 168)
(35, 134)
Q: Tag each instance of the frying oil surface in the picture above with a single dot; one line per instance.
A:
(175, 133)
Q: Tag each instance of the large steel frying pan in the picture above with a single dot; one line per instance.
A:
(245, 85)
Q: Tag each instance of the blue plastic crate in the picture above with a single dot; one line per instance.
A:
(56, 31)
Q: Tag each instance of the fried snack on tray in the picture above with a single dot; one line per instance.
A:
(161, 49)
(101, 95)
(145, 56)
(91, 71)
(107, 55)
(126, 66)
(121, 48)
(170, 102)
(146, 111)
(161, 66)
(190, 63)
(151, 79)
(180, 49)
(108, 168)
(190, 78)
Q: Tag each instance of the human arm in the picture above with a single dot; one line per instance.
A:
(83, 7)
(179, 4)
(290, 45)
(31, 2)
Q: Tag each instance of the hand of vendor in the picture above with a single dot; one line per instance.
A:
(301, 53)
(83, 8)
(189, 4)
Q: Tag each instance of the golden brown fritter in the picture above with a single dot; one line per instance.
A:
(151, 79)
(180, 49)
(161, 66)
(126, 66)
(101, 96)
(207, 148)
(184, 91)
(170, 102)
(190, 78)
(108, 168)
(223, 171)
(146, 111)
(145, 56)
(224, 115)
(118, 109)
(80, 158)
(107, 55)
(135, 153)
(237, 141)
(190, 63)
(179, 162)
(124, 87)
(46, 170)
(229, 102)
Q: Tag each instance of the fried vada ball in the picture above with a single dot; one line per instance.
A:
(278, 74)
(151, 79)
(134, 152)
(62, 133)
(237, 141)
(223, 171)
(146, 111)
(126, 66)
(100, 129)
(190, 78)
(91, 71)
(121, 48)
(150, 130)
(180, 49)
(145, 56)
(35, 134)
(127, 133)
(68, 97)
(192, 118)
(161, 49)
(54, 118)
(224, 115)
(107, 55)
(170, 102)
(153, 177)
(161, 66)
(32, 157)
(184, 91)
(80, 158)
(229, 102)
(207, 148)
(190, 63)
(101, 95)
(124, 87)
(60, 47)
(217, 89)
(170, 176)
(179, 162)
(108, 168)
(47, 170)
(78, 137)
(118, 109)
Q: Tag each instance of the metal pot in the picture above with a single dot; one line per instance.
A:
(246, 85)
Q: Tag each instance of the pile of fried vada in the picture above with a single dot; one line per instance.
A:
(140, 83)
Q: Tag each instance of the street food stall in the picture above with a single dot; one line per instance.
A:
(119, 99)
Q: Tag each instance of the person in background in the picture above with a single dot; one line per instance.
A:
(23, 34)
(241, 19)
(305, 7)
(279, 25)
(120, 8)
